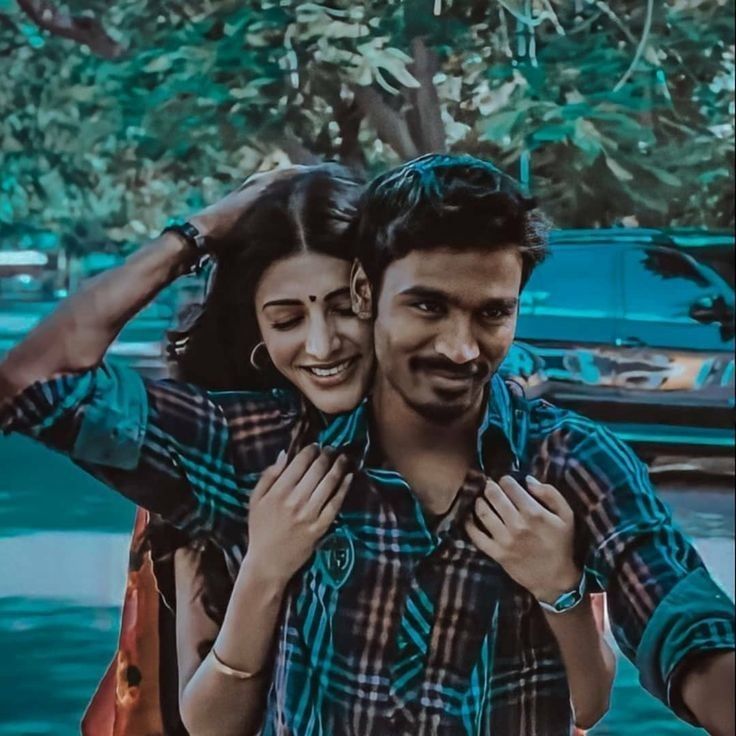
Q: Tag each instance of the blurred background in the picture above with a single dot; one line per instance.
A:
(618, 116)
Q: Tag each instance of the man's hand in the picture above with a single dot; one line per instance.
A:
(216, 221)
(529, 533)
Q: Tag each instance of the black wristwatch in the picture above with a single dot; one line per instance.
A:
(194, 239)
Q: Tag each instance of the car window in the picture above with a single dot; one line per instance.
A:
(571, 296)
(574, 280)
(661, 284)
(662, 291)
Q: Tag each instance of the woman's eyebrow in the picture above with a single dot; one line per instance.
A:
(282, 303)
(342, 291)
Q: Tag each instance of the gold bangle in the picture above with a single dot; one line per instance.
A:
(225, 669)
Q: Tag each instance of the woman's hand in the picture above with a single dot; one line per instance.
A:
(292, 507)
(529, 533)
(216, 221)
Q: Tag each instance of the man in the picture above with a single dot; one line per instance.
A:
(419, 632)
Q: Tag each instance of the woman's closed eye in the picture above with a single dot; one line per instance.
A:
(343, 310)
(287, 323)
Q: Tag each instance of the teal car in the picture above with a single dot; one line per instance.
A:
(636, 330)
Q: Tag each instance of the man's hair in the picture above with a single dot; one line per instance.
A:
(457, 202)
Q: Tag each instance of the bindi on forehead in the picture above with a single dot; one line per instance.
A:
(312, 298)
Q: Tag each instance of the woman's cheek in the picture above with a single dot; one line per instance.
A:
(358, 331)
(282, 347)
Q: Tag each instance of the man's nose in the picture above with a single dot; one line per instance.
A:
(322, 339)
(457, 342)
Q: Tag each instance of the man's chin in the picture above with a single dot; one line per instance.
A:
(441, 412)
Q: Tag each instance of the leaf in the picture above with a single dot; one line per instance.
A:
(500, 126)
(619, 171)
(664, 176)
(587, 138)
(158, 64)
(552, 133)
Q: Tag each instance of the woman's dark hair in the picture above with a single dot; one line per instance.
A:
(439, 200)
(311, 211)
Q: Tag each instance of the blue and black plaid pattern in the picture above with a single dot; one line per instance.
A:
(398, 625)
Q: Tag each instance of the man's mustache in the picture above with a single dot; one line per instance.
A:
(476, 369)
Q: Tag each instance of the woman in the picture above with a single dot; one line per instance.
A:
(299, 299)
(278, 313)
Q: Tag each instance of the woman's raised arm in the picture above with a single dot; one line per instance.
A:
(77, 335)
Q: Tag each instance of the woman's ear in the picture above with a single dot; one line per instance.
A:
(361, 294)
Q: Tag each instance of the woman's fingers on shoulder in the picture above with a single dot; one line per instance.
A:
(270, 475)
(295, 470)
(322, 476)
(333, 505)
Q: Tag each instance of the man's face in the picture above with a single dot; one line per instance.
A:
(445, 322)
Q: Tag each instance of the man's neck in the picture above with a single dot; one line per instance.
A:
(401, 429)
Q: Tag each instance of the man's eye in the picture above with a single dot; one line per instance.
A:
(495, 314)
(428, 307)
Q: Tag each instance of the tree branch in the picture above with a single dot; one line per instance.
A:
(297, 152)
(389, 125)
(426, 118)
(82, 29)
(349, 117)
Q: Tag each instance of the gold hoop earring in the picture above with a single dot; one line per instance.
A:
(253, 356)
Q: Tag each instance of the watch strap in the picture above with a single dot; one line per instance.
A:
(194, 239)
(568, 600)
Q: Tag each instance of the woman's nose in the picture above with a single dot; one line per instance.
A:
(321, 339)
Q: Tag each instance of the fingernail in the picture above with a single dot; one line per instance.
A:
(532, 479)
(349, 478)
(281, 456)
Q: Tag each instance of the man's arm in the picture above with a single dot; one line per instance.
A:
(706, 686)
(665, 610)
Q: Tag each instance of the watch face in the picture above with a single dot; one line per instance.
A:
(567, 601)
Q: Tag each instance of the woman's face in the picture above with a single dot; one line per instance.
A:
(311, 333)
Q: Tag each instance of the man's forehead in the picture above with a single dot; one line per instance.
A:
(445, 268)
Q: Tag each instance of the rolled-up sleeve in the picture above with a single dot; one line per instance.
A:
(679, 628)
(190, 455)
(111, 423)
(663, 605)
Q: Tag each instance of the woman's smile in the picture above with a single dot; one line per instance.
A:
(333, 373)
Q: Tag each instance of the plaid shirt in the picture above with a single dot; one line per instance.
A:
(396, 625)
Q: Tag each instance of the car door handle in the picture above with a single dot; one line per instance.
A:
(629, 342)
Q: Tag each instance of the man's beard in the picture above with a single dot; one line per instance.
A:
(442, 412)
(438, 413)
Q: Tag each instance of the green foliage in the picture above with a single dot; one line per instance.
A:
(205, 92)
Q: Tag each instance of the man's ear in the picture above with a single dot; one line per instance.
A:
(361, 294)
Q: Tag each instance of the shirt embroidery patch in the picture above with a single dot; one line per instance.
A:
(336, 557)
